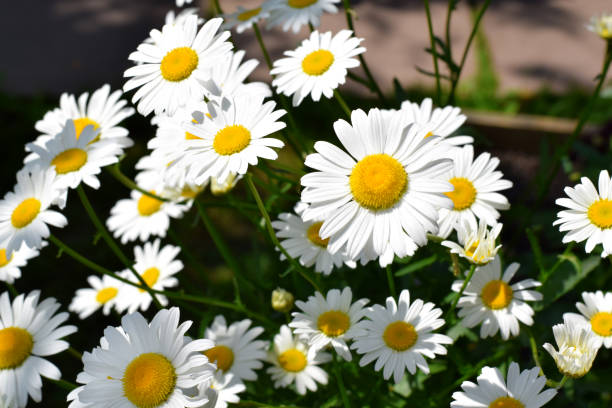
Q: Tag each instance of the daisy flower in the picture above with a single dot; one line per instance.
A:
(224, 390)
(475, 245)
(10, 265)
(522, 389)
(233, 139)
(602, 25)
(146, 365)
(293, 14)
(490, 299)
(399, 335)
(228, 78)
(29, 331)
(318, 66)
(330, 321)
(243, 19)
(25, 213)
(589, 213)
(104, 111)
(235, 349)
(103, 294)
(476, 191)
(142, 216)
(596, 312)
(157, 268)
(302, 241)
(74, 157)
(293, 362)
(578, 347)
(382, 198)
(173, 67)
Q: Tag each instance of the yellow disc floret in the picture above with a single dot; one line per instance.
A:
(69, 160)
(106, 294)
(25, 212)
(149, 380)
(378, 182)
(244, 16)
(317, 62)
(400, 336)
(506, 402)
(602, 323)
(3, 259)
(333, 323)
(463, 195)
(81, 123)
(312, 233)
(15, 347)
(496, 294)
(231, 139)
(222, 355)
(178, 64)
(301, 3)
(293, 360)
(600, 213)
(148, 205)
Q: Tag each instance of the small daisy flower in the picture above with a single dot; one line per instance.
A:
(490, 299)
(596, 311)
(399, 335)
(157, 268)
(302, 241)
(318, 66)
(589, 214)
(523, 389)
(25, 213)
(103, 294)
(578, 347)
(293, 362)
(476, 191)
(142, 216)
(10, 265)
(146, 365)
(29, 331)
(475, 245)
(602, 25)
(242, 19)
(330, 321)
(382, 198)
(75, 158)
(173, 67)
(224, 390)
(293, 14)
(235, 349)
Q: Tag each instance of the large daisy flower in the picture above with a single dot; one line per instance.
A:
(523, 389)
(29, 331)
(329, 321)
(490, 299)
(25, 213)
(243, 19)
(102, 294)
(236, 349)
(318, 66)
(475, 195)
(146, 365)
(399, 335)
(596, 312)
(10, 265)
(478, 246)
(589, 213)
(293, 362)
(173, 67)
(293, 14)
(382, 198)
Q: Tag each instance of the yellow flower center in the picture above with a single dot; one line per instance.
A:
(69, 160)
(3, 259)
(148, 205)
(464, 194)
(178, 64)
(334, 323)
(317, 62)
(249, 14)
(400, 336)
(600, 213)
(301, 3)
(149, 380)
(222, 355)
(150, 276)
(15, 347)
(602, 323)
(81, 123)
(378, 182)
(472, 249)
(313, 235)
(106, 294)
(25, 212)
(496, 294)
(231, 139)
(506, 402)
(292, 360)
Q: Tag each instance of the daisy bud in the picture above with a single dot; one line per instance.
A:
(282, 300)
(477, 245)
(602, 26)
(218, 189)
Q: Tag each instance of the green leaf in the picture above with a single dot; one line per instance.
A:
(416, 266)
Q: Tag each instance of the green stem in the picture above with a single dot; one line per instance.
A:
(12, 289)
(67, 385)
(112, 244)
(391, 282)
(456, 300)
(268, 222)
(534, 350)
(262, 45)
(115, 171)
(434, 51)
(75, 353)
(555, 384)
(360, 80)
(449, 12)
(218, 8)
(342, 103)
(343, 394)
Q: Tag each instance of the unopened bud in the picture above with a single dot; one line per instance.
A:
(282, 300)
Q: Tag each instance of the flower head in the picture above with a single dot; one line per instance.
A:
(477, 246)
(282, 300)
(293, 14)
(602, 25)
(596, 312)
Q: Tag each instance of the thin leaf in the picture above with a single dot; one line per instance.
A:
(413, 267)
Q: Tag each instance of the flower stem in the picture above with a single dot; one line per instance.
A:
(342, 103)
(218, 8)
(456, 300)
(262, 45)
(555, 384)
(67, 385)
(343, 394)
(75, 353)
(391, 282)
(434, 50)
(115, 171)
(11, 289)
(534, 350)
